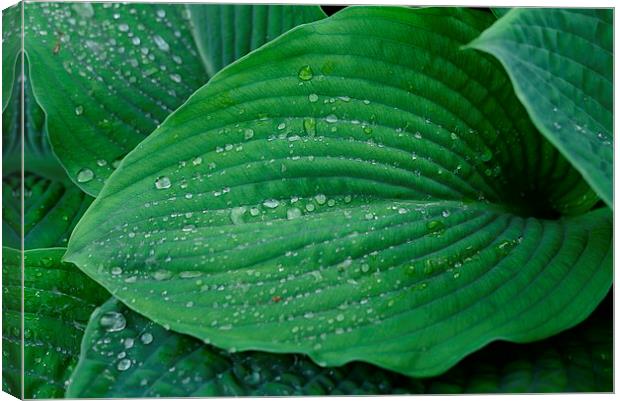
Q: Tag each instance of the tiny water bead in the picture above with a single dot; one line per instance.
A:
(313, 97)
(293, 213)
(146, 338)
(305, 73)
(163, 182)
(271, 203)
(112, 321)
(85, 175)
(79, 110)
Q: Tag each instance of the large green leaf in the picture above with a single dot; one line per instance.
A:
(225, 33)
(52, 208)
(146, 360)
(561, 64)
(58, 300)
(108, 74)
(357, 189)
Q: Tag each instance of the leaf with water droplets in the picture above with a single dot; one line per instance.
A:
(58, 301)
(348, 248)
(156, 362)
(561, 64)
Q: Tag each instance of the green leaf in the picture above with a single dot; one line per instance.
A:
(146, 360)
(561, 64)
(11, 45)
(106, 76)
(352, 191)
(51, 210)
(225, 33)
(57, 300)
(500, 12)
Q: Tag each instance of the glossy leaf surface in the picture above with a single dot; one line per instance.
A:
(561, 64)
(353, 191)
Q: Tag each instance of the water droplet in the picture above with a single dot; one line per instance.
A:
(320, 199)
(163, 182)
(112, 321)
(84, 10)
(248, 133)
(123, 27)
(123, 364)
(128, 343)
(176, 78)
(161, 43)
(271, 203)
(101, 162)
(486, 155)
(197, 161)
(160, 275)
(161, 13)
(236, 214)
(305, 73)
(331, 118)
(79, 110)
(293, 213)
(435, 227)
(310, 126)
(116, 271)
(254, 211)
(85, 175)
(313, 97)
(146, 338)
(281, 126)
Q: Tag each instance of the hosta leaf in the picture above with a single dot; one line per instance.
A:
(353, 191)
(146, 360)
(58, 300)
(225, 33)
(108, 74)
(51, 209)
(500, 12)
(561, 64)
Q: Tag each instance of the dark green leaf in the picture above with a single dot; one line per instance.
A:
(58, 300)
(225, 33)
(146, 360)
(51, 211)
(561, 64)
(500, 12)
(11, 45)
(353, 191)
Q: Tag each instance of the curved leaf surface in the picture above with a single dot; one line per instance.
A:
(58, 300)
(561, 64)
(51, 210)
(146, 360)
(225, 33)
(106, 76)
(335, 194)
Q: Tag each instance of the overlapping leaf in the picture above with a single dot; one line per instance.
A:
(358, 189)
(225, 33)
(108, 74)
(58, 300)
(146, 360)
(561, 64)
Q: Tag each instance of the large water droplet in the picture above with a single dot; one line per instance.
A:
(85, 175)
(293, 213)
(271, 203)
(236, 214)
(123, 364)
(161, 43)
(305, 73)
(163, 182)
(112, 321)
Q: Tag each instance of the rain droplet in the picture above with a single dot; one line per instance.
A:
(271, 203)
(320, 199)
(85, 175)
(116, 271)
(123, 27)
(248, 133)
(79, 110)
(197, 161)
(123, 364)
(176, 78)
(112, 321)
(313, 97)
(305, 73)
(146, 338)
(163, 182)
(293, 213)
(161, 43)
(236, 214)
(101, 162)
(331, 118)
